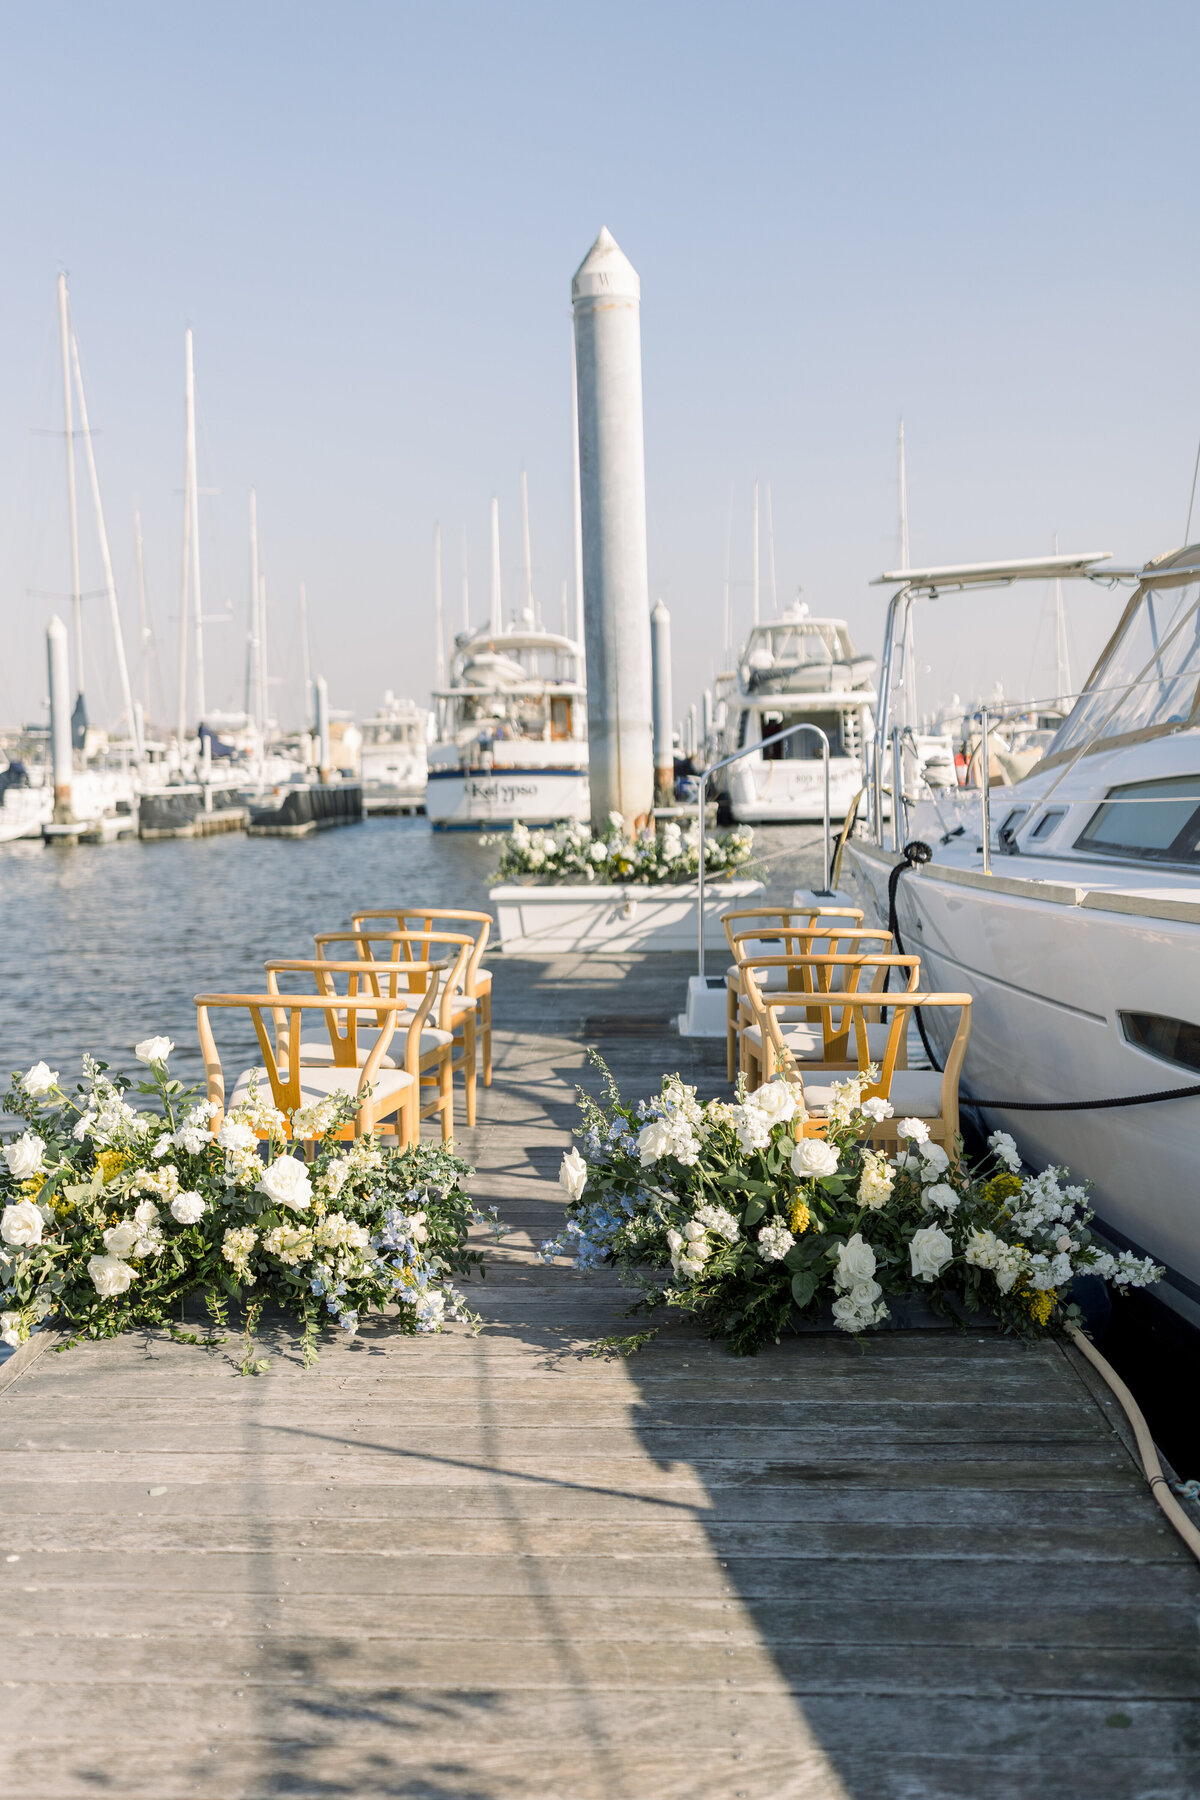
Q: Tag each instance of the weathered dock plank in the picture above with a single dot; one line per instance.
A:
(501, 1568)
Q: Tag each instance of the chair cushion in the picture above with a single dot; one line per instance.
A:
(317, 1055)
(807, 1042)
(915, 1093)
(771, 979)
(317, 1083)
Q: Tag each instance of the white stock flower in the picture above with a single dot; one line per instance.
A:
(933, 1159)
(753, 1127)
(929, 1250)
(39, 1080)
(24, 1155)
(877, 1108)
(153, 1050)
(285, 1183)
(235, 1135)
(573, 1174)
(774, 1242)
(855, 1263)
(876, 1180)
(1004, 1147)
(109, 1275)
(916, 1129)
(940, 1194)
(719, 1220)
(188, 1208)
(653, 1141)
(775, 1100)
(812, 1156)
(22, 1224)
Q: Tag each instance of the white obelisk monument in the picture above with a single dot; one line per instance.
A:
(606, 296)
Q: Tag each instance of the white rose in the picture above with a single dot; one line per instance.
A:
(654, 1140)
(694, 1232)
(418, 1229)
(878, 1108)
(916, 1129)
(22, 1223)
(39, 1080)
(286, 1183)
(847, 1316)
(691, 1265)
(573, 1174)
(864, 1294)
(10, 1329)
(187, 1208)
(24, 1155)
(776, 1101)
(153, 1050)
(109, 1275)
(934, 1159)
(146, 1213)
(813, 1156)
(929, 1251)
(120, 1239)
(856, 1261)
(940, 1193)
(235, 1135)
(675, 1241)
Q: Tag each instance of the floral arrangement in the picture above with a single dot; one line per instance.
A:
(573, 853)
(733, 1213)
(111, 1216)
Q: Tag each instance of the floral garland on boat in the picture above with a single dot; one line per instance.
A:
(733, 1214)
(573, 853)
(111, 1216)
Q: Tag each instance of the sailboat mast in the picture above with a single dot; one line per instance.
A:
(181, 712)
(194, 509)
(143, 613)
(466, 587)
(264, 694)
(756, 611)
(497, 617)
(528, 553)
(439, 645)
(110, 586)
(771, 553)
(305, 658)
(64, 322)
(728, 564)
(255, 641)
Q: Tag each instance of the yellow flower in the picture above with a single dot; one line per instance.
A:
(1001, 1188)
(111, 1162)
(799, 1218)
(1039, 1303)
(29, 1190)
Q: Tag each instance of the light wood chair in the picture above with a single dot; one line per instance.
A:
(278, 1021)
(478, 983)
(427, 1051)
(913, 1093)
(786, 940)
(457, 1011)
(813, 1034)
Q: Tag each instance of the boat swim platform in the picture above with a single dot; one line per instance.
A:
(919, 1567)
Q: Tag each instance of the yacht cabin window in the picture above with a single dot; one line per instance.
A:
(1046, 824)
(1155, 821)
(805, 746)
(1171, 1040)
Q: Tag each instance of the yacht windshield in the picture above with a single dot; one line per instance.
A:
(1146, 683)
(775, 646)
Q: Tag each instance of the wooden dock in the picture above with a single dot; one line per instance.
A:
(501, 1568)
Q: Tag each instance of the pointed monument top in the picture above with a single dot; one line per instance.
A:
(606, 272)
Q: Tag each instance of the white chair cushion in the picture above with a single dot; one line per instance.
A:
(317, 1055)
(915, 1093)
(808, 1041)
(318, 1083)
(771, 979)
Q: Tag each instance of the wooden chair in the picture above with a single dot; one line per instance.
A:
(913, 1093)
(788, 1018)
(278, 1024)
(478, 982)
(789, 940)
(457, 1011)
(428, 1050)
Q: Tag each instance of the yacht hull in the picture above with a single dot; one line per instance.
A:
(476, 798)
(1049, 977)
(759, 792)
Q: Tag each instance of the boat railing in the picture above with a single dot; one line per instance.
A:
(713, 768)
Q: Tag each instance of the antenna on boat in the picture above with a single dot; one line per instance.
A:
(576, 497)
(466, 586)
(438, 629)
(771, 553)
(756, 549)
(255, 644)
(528, 554)
(305, 658)
(904, 563)
(497, 618)
(264, 699)
(728, 560)
(110, 586)
(64, 321)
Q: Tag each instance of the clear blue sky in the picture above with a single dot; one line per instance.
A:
(980, 217)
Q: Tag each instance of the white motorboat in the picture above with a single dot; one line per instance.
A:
(511, 732)
(794, 670)
(393, 757)
(1069, 908)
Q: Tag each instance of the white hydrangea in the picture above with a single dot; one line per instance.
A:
(774, 1242)
(718, 1220)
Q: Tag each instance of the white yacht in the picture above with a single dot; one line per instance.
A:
(393, 757)
(1073, 916)
(797, 669)
(511, 731)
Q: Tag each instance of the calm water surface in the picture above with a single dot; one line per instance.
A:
(103, 945)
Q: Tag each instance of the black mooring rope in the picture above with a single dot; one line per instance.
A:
(917, 853)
